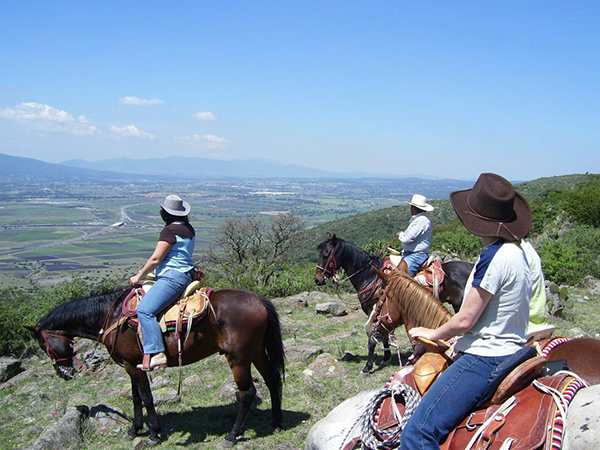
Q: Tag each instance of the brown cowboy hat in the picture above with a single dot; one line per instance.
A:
(492, 208)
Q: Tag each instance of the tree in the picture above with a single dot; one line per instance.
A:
(253, 250)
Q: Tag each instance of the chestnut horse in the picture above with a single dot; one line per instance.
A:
(336, 253)
(241, 325)
(407, 303)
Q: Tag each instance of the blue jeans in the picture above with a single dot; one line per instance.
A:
(414, 260)
(165, 291)
(450, 399)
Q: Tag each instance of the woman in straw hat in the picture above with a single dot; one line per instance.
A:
(172, 259)
(416, 239)
(492, 322)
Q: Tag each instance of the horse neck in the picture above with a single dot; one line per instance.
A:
(357, 264)
(417, 307)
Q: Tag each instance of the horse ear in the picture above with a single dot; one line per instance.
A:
(381, 274)
(328, 236)
(333, 238)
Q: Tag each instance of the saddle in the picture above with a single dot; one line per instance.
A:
(192, 306)
(430, 275)
(523, 413)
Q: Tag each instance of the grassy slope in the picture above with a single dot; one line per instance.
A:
(382, 224)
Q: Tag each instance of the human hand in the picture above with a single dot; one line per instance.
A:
(417, 353)
(134, 280)
(399, 233)
(418, 332)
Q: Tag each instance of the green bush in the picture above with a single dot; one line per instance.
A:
(572, 256)
(455, 239)
(583, 205)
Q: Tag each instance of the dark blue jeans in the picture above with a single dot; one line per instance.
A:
(165, 291)
(450, 399)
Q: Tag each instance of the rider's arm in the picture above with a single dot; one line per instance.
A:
(161, 250)
(415, 229)
(475, 302)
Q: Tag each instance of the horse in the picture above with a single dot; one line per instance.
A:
(336, 253)
(241, 325)
(407, 303)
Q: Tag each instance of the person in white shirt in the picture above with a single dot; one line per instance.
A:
(492, 323)
(416, 239)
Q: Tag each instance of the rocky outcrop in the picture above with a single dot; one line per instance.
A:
(9, 367)
(66, 433)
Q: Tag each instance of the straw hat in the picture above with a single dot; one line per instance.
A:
(492, 208)
(175, 206)
(395, 256)
(419, 201)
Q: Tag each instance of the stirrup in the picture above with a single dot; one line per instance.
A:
(148, 363)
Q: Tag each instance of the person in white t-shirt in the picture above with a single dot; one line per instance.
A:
(492, 323)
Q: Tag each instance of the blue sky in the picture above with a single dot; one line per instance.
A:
(439, 88)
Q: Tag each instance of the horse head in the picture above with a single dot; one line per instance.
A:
(59, 349)
(326, 265)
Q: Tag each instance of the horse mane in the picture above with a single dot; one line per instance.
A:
(354, 253)
(81, 310)
(418, 307)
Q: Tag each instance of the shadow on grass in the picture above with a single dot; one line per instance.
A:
(360, 360)
(205, 423)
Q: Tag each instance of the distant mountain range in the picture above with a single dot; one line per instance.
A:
(171, 168)
(186, 167)
(23, 168)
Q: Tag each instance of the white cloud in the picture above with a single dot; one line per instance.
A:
(46, 118)
(206, 116)
(209, 141)
(130, 100)
(129, 131)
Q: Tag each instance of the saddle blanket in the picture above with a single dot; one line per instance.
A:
(192, 306)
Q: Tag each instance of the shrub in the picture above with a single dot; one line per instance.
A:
(573, 256)
(456, 240)
(583, 205)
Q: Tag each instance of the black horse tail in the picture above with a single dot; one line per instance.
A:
(273, 340)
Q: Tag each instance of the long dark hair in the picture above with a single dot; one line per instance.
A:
(170, 218)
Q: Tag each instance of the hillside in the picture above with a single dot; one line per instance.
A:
(382, 224)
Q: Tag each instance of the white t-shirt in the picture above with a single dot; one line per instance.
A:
(501, 270)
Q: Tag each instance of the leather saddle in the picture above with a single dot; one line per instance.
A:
(192, 305)
(532, 421)
(430, 275)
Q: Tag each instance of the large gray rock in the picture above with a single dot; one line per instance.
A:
(583, 422)
(325, 366)
(332, 431)
(302, 352)
(333, 308)
(591, 284)
(66, 433)
(9, 367)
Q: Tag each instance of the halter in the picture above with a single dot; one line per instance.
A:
(52, 354)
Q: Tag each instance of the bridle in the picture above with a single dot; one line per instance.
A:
(65, 364)
(330, 267)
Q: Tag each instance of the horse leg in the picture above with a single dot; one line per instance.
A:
(247, 392)
(138, 415)
(387, 354)
(272, 379)
(139, 380)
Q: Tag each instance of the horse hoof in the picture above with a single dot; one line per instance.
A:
(153, 440)
(228, 444)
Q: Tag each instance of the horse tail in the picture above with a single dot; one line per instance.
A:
(273, 342)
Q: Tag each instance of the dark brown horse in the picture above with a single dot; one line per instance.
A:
(407, 303)
(336, 253)
(240, 324)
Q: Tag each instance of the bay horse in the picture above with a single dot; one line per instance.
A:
(336, 253)
(241, 325)
(406, 302)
